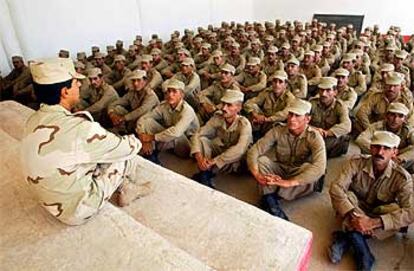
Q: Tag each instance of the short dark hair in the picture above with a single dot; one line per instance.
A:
(50, 94)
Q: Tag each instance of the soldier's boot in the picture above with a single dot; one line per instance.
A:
(362, 254)
(153, 157)
(256, 135)
(318, 187)
(273, 207)
(205, 178)
(340, 245)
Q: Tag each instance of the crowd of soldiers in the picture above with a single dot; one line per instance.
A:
(277, 99)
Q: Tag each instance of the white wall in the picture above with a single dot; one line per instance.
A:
(382, 12)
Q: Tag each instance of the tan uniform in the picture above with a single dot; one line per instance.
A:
(161, 65)
(255, 83)
(357, 82)
(117, 79)
(375, 106)
(133, 105)
(357, 189)
(348, 96)
(20, 81)
(192, 87)
(213, 70)
(313, 74)
(335, 119)
(172, 128)
(249, 53)
(106, 70)
(274, 108)
(299, 53)
(279, 152)
(96, 101)
(212, 96)
(270, 69)
(154, 79)
(407, 77)
(298, 85)
(226, 145)
(72, 164)
(239, 62)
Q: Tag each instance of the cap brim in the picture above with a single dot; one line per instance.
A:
(382, 143)
(297, 111)
(77, 75)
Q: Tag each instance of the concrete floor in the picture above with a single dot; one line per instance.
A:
(314, 213)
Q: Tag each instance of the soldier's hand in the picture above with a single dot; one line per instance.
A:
(260, 178)
(364, 223)
(146, 138)
(147, 148)
(279, 181)
(258, 118)
(208, 107)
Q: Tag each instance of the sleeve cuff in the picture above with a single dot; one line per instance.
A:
(387, 222)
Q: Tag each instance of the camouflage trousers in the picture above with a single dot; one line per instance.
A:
(267, 166)
(107, 178)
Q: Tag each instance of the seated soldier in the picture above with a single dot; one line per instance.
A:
(272, 63)
(346, 93)
(140, 99)
(270, 106)
(203, 57)
(375, 106)
(297, 83)
(252, 80)
(18, 83)
(312, 72)
(356, 78)
(97, 97)
(100, 63)
(73, 165)
(373, 197)
(154, 78)
(289, 162)
(169, 125)
(118, 75)
(330, 117)
(395, 122)
(211, 71)
(210, 98)
(158, 62)
(235, 58)
(219, 146)
(191, 80)
(175, 67)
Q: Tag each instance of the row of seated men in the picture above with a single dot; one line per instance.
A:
(280, 99)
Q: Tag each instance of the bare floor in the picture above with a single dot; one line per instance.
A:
(313, 213)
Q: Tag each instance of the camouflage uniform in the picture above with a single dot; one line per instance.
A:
(72, 164)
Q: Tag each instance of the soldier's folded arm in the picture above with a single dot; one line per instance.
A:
(97, 145)
(260, 85)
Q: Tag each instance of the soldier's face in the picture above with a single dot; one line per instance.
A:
(231, 110)
(174, 96)
(347, 65)
(394, 120)
(225, 76)
(253, 69)
(99, 61)
(96, 82)
(17, 64)
(291, 69)
(218, 60)
(73, 92)
(327, 96)
(278, 86)
(146, 66)
(119, 65)
(297, 123)
(342, 80)
(392, 91)
(381, 156)
(186, 69)
(307, 60)
(138, 84)
(271, 56)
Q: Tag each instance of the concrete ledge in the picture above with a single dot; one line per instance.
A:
(223, 232)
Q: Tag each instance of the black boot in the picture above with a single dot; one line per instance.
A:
(362, 254)
(318, 187)
(205, 178)
(273, 207)
(153, 157)
(339, 246)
